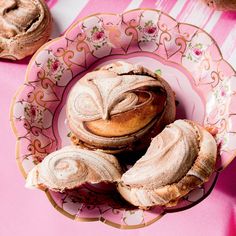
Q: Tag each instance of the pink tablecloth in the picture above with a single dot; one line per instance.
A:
(24, 212)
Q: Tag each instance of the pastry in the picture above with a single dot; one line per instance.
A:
(223, 5)
(119, 107)
(25, 25)
(71, 167)
(178, 160)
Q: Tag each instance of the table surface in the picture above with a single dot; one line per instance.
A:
(24, 212)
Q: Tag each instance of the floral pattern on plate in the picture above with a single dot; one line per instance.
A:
(186, 56)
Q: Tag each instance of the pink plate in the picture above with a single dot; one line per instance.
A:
(186, 56)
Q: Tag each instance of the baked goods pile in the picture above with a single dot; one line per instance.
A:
(123, 108)
(25, 25)
(119, 107)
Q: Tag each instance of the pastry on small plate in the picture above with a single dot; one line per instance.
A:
(25, 25)
(119, 107)
(71, 167)
(178, 160)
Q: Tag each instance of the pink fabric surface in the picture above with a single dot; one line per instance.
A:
(25, 212)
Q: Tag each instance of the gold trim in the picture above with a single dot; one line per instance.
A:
(18, 161)
(102, 219)
(54, 204)
(118, 226)
(62, 211)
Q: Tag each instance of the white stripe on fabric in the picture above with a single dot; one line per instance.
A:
(158, 4)
(177, 8)
(64, 13)
(196, 14)
(133, 4)
(228, 47)
(212, 21)
(187, 10)
(232, 59)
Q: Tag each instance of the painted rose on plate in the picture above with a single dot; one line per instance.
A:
(149, 31)
(196, 52)
(55, 68)
(98, 37)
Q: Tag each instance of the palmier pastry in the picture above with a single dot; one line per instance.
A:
(178, 160)
(70, 167)
(119, 107)
(25, 25)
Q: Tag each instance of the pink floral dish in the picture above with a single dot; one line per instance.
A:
(183, 54)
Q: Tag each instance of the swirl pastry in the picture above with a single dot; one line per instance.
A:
(119, 107)
(71, 166)
(179, 159)
(25, 25)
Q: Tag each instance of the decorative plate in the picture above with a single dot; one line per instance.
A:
(186, 56)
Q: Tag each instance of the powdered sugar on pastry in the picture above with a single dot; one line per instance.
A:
(169, 157)
(179, 159)
(113, 107)
(71, 166)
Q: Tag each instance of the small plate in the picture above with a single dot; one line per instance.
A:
(185, 55)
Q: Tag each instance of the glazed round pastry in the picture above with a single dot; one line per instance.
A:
(25, 25)
(178, 160)
(119, 107)
(71, 167)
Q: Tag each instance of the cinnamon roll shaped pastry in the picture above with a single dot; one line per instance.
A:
(178, 160)
(25, 25)
(119, 107)
(71, 167)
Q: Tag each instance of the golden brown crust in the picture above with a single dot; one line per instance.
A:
(80, 143)
(134, 120)
(168, 195)
(25, 25)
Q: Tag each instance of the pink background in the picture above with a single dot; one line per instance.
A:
(25, 212)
